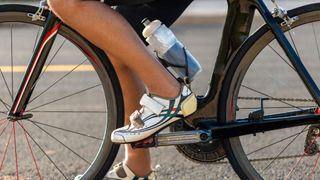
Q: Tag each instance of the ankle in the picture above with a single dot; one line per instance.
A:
(140, 169)
(167, 93)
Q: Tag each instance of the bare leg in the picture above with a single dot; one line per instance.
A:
(138, 160)
(109, 31)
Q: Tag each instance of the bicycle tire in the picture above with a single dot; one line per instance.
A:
(238, 72)
(109, 89)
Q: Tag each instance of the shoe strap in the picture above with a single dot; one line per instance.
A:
(153, 105)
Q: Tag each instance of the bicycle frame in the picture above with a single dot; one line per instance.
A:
(236, 31)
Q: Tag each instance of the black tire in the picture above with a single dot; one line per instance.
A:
(111, 96)
(239, 73)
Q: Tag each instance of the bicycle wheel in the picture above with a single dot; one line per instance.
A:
(76, 104)
(262, 70)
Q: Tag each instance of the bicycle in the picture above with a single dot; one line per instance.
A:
(222, 118)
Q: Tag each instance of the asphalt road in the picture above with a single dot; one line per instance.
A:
(54, 115)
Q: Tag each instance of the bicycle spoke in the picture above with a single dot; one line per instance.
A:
(15, 148)
(4, 129)
(6, 105)
(293, 42)
(47, 156)
(36, 40)
(54, 56)
(316, 38)
(282, 58)
(6, 149)
(5, 82)
(11, 62)
(46, 67)
(300, 159)
(274, 143)
(49, 134)
(30, 149)
(3, 119)
(3, 112)
(314, 167)
(2, 122)
(57, 81)
(77, 112)
(285, 148)
(264, 94)
(66, 130)
(64, 97)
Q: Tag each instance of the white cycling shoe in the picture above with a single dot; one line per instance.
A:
(155, 114)
(122, 172)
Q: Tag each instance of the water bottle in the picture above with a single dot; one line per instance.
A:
(179, 60)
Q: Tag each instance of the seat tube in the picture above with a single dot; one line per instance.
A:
(290, 51)
(35, 65)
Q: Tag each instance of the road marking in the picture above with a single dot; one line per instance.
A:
(51, 68)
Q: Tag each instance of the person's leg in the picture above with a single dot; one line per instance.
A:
(138, 160)
(110, 31)
(167, 12)
(93, 20)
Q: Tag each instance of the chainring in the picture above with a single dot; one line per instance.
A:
(200, 152)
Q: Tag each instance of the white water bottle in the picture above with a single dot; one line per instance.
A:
(168, 48)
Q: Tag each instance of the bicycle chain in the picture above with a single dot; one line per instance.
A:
(271, 99)
(265, 159)
(278, 99)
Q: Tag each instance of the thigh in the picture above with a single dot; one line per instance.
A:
(164, 10)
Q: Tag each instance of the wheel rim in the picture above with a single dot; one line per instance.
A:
(67, 135)
(266, 155)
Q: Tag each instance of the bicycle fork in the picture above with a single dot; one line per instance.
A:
(35, 65)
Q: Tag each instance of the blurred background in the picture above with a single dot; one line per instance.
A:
(200, 29)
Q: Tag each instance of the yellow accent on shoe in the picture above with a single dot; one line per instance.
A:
(189, 105)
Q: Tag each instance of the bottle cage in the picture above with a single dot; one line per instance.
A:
(184, 79)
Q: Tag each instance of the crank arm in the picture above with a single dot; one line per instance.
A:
(175, 138)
